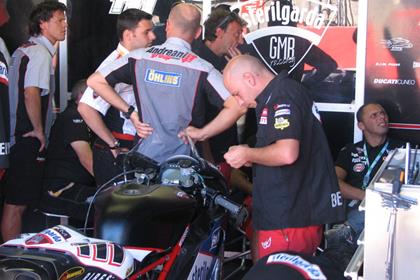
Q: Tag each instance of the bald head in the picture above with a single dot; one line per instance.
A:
(245, 77)
(184, 22)
(242, 64)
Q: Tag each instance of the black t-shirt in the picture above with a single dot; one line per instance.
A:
(4, 115)
(62, 163)
(220, 143)
(303, 193)
(353, 160)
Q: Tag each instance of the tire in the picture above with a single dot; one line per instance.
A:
(12, 269)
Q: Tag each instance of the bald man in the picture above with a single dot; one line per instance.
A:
(171, 86)
(295, 188)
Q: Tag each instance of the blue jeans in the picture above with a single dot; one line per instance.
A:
(356, 219)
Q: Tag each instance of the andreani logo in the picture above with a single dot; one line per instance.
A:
(167, 54)
(163, 78)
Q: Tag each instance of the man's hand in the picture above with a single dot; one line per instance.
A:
(143, 129)
(196, 134)
(232, 52)
(39, 135)
(237, 156)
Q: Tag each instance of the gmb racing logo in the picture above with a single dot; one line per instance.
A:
(277, 44)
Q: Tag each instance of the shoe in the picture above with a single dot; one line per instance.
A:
(340, 234)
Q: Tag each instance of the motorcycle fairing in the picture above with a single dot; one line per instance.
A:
(107, 257)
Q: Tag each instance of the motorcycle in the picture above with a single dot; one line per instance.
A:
(165, 222)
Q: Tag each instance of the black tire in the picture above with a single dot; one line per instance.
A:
(12, 269)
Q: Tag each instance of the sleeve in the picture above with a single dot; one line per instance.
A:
(76, 129)
(343, 158)
(322, 62)
(39, 69)
(117, 71)
(285, 119)
(215, 84)
(96, 102)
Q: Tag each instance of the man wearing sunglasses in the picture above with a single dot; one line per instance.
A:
(223, 33)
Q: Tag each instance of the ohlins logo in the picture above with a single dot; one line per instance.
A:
(163, 78)
(167, 54)
(394, 82)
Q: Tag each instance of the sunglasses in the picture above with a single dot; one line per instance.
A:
(232, 16)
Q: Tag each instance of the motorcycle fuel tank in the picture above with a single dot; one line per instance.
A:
(152, 216)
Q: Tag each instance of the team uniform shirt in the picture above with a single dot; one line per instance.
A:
(353, 160)
(62, 163)
(120, 127)
(171, 86)
(219, 144)
(4, 115)
(31, 66)
(305, 192)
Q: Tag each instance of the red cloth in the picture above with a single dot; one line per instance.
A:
(300, 240)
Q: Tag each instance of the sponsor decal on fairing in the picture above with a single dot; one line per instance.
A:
(72, 273)
(311, 271)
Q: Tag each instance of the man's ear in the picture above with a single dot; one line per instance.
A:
(219, 32)
(361, 126)
(42, 26)
(249, 78)
(197, 33)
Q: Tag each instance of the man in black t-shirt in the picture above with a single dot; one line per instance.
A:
(68, 175)
(357, 164)
(4, 117)
(295, 189)
(223, 33)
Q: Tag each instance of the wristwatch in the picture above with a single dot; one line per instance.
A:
(129, 112)
(116, 145)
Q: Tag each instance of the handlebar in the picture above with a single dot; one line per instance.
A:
(237, 211)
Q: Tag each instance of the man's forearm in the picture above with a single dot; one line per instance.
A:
(351, 192)
(33, 107)
(224, 120)
(101, 87)
(94, 120)
(280, 153)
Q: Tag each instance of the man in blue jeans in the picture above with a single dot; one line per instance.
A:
(355, 167)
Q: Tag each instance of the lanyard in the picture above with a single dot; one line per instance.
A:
(372, 166)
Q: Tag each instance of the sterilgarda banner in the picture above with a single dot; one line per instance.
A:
(393, 63)
(288, 37)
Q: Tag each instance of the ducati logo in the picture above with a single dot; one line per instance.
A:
(279, 46)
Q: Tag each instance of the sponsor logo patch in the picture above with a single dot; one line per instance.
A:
(62, 232)
(266, 244)
(72, 273)
(163, 78)
(358, 167)
(264, 114)
(281, 123)
(167, 54)
(282, 112)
